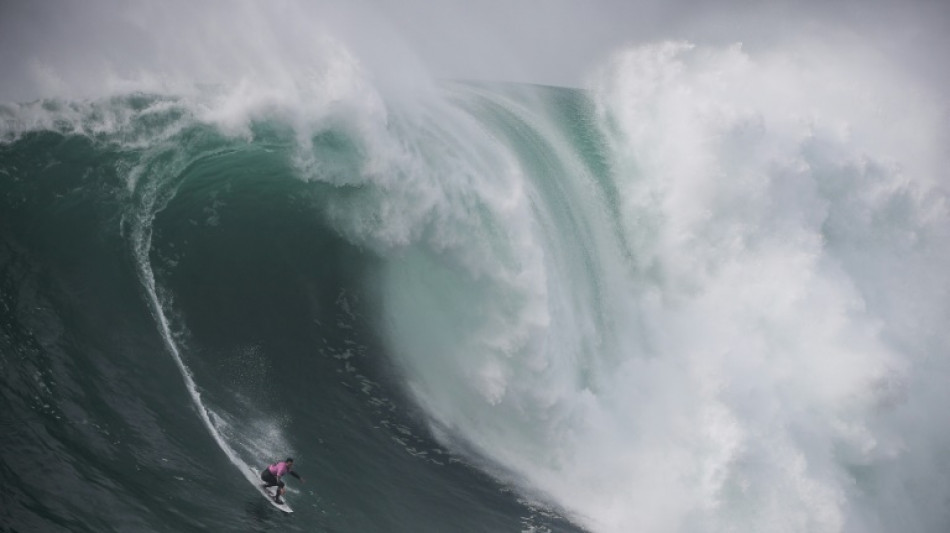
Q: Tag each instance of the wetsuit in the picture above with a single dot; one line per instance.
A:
(272, 474)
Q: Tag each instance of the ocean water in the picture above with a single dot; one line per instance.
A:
(689, 296)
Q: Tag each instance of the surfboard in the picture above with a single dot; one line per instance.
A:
(269, 494)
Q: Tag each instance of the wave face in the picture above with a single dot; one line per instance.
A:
(691, 297)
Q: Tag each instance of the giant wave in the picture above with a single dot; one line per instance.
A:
(707, 292)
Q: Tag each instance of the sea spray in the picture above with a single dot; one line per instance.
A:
(762, 361)
(773, 374)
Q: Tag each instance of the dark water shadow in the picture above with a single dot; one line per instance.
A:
(262, 516)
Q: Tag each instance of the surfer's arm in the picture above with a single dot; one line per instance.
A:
(296, 475)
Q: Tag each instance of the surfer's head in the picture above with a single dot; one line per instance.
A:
(289, 460)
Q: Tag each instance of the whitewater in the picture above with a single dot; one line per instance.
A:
(705, 291)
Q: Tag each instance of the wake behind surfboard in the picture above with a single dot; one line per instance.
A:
(270, 497)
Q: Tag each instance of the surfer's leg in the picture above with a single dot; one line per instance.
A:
(269, 479)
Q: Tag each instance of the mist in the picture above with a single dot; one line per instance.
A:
(58, 48)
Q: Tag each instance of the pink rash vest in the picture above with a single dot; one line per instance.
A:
(278, 469)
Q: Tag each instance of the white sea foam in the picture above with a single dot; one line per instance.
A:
(775, 206)
(762, 357)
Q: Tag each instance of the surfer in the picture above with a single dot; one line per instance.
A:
(272, 474)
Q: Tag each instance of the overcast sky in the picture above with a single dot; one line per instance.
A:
(539, 41)
(559, 41)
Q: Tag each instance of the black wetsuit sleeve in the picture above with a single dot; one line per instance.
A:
(296, 475)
